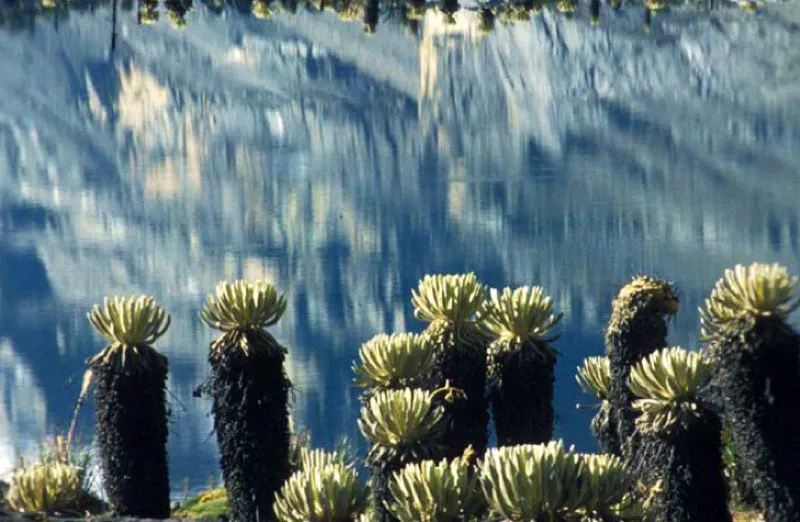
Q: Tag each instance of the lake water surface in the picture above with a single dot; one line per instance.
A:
(345, 166)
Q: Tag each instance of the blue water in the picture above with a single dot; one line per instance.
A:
(345, 167)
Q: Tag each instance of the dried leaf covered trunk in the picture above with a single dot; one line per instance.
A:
(251, 420)
(521, 391)
(132, 436)
(758, 378)
(689, 464)
(637, 329)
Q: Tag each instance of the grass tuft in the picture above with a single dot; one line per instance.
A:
(206, 505)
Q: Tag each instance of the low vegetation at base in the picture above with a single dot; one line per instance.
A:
(207, 505)
(57, 482)
(213, 503)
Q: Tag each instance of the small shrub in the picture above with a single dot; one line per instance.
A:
(46, 486)
(331, 493)
(531, 481)
(428, 491)
(59, 480)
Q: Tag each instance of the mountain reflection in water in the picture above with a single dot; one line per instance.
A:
(345, 166)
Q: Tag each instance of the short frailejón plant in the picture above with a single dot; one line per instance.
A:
(250, 390)
(46, 487)
(431, 491)
(548, 483)
(682, 437)
(521, 364)
(531, 481)
(130, 378)
(756, 357)
(605, 490)
(593, 377)
(402, 426)
(604, 482)
(331, 492)
(636, 329)
(455, 305)
(58, 481)
(395, 361)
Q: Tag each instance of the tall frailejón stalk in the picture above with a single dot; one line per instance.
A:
(521, 363)
(130, 379)
(636, 329)
(250, 390)
(756, 360)
(455, 306)
(681, 437)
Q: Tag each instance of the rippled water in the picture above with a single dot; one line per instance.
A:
(346, 166)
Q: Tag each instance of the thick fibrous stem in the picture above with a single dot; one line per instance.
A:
(637, 329)
(689, 463)
(383, 465)
(757, 377)
(132, 436)
(380, 476)
(521, 391)
(251, 419)
(603, 430)
(461, 360)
